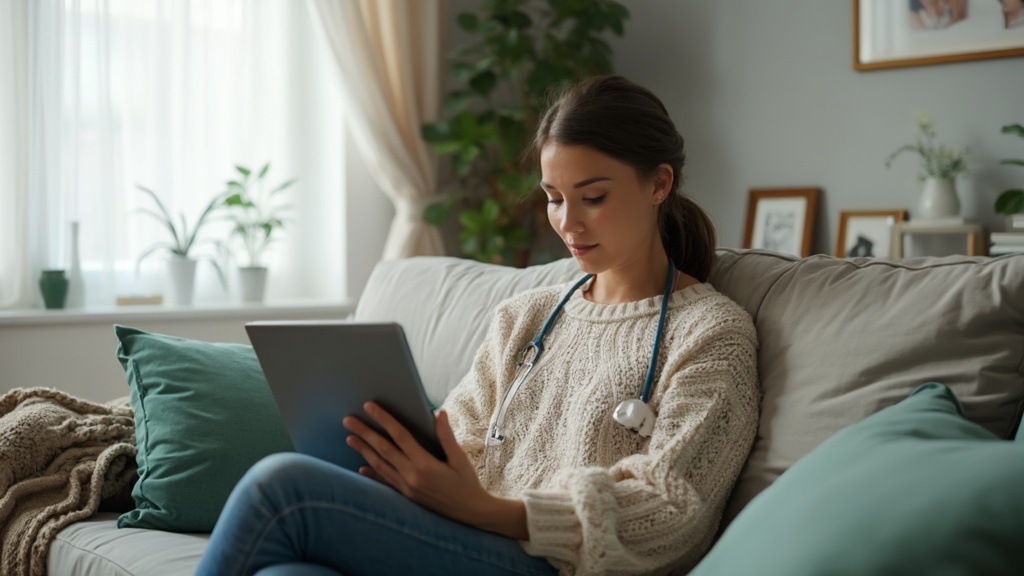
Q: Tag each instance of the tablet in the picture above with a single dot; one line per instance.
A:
(319, 372)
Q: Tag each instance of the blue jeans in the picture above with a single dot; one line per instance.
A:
(297, 515)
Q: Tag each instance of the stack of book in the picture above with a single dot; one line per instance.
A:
(1006, 243)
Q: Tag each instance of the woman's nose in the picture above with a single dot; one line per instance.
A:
(571, 220)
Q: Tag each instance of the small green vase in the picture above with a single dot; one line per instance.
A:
(54, 286)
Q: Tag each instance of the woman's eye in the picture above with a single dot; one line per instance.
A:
(595, 200)
(554, 200)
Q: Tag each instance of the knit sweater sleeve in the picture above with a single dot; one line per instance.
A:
(472, 402)
(658, 511)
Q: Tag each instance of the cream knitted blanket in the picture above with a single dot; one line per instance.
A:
(60, 456)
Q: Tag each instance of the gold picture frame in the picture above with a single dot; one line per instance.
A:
(892, 34)
(781, 220)
(866, 233)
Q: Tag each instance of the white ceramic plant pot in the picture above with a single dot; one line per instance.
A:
(252, 283)
(938, 200)
(181, 279)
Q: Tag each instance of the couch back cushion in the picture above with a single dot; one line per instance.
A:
(843, 338)
(840, 338)
(445, 305)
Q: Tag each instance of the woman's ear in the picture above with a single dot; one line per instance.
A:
(662, 181)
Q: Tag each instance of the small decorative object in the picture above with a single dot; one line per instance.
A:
(781, 220)
(254, 210)
(866, 233)
(1011, 202)
(76, 284)
(54, 286)
(181, 267)
(940, 165)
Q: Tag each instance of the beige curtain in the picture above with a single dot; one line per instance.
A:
(389, 53)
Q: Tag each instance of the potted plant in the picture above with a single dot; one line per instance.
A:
(181, 266)
(940, 165)
(255, 211)
(523, 51)
(1011, 201)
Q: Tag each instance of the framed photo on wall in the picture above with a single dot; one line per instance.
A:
(865, 233)
(893, 33)
(781, 220)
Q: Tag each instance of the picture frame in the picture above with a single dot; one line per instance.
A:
(781, 220)
(892, 34)
(866, 233)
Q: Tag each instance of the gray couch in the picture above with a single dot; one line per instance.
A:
(840, 340)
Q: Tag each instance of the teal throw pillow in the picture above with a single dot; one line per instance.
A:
(203, 415)
(913, 489)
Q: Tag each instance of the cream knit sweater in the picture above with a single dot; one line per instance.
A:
(599, 498)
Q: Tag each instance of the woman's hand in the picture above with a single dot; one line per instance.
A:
(449, 488)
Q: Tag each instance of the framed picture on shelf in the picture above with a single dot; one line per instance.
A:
(889, 34)
(781, 220)
(865, 233)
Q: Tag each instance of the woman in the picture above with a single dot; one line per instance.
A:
(611, 458)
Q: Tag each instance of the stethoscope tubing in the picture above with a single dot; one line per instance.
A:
(530, 354)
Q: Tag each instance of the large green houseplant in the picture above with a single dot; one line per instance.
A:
(521, 52)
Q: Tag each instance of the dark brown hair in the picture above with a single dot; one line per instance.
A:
(628, 122)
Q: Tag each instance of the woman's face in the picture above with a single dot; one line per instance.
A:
(601, 208)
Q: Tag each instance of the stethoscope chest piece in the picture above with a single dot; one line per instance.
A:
(635, 415)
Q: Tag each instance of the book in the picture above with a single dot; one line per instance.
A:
(1015, 238)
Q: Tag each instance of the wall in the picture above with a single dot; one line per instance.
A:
(75, 352)
(765, 95)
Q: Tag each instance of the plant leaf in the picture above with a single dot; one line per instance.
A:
(166, 219)
(1013, 129)
(1010, 202)
(263, 172)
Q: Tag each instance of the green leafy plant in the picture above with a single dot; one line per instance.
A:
(254, 210)
(937, 160)
(184, 241)
(1011, 201)
(522, 52)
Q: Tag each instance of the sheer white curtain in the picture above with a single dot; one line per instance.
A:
(14, 143)
(172, 95)
(389, 52)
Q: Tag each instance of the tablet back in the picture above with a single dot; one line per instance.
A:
(321, 372)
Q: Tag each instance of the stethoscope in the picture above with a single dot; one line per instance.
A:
(633, 413)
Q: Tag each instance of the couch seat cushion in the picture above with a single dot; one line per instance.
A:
(98, 546)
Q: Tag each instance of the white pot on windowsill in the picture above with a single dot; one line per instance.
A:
(252, 283)
(181, 278)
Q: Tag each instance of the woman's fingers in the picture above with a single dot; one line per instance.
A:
(400, 435)
(382, 470)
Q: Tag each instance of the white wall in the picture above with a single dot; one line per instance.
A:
(765, 95)
(75, 352)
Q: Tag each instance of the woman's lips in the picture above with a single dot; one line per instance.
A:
(581, 249)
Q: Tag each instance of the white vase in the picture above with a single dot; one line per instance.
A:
(181, 278)
(252, 283)
(76, 284)
(938, 200)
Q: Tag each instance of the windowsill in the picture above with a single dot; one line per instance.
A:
(216, 311)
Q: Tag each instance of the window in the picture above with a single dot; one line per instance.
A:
(171, 96)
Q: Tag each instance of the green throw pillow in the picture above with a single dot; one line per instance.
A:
(203, 415)
(913, 489)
